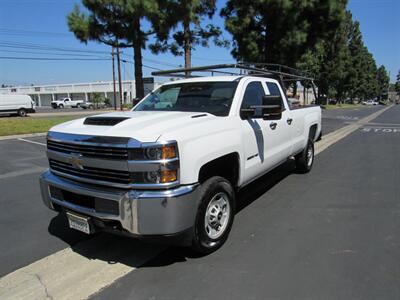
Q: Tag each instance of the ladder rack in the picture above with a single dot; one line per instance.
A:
(281, 72)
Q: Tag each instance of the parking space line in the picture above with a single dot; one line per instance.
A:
(32, 142)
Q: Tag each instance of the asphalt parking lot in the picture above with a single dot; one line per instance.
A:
(330, 234)
(25, 223)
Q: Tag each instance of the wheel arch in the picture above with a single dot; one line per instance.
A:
(226, 166)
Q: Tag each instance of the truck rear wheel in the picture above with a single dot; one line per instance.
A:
(61, 106)
(214, 216)
(305, 159)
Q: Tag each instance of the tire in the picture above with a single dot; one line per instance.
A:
(22, 112)
(91, 107)
(78, 105)
(305, 159)
(215, 215)
(61, 106)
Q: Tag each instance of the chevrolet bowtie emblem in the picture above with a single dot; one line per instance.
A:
(76, 161)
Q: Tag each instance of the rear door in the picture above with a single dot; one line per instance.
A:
(279, 134)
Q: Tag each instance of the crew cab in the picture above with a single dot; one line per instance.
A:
(66, 102)
(172, 166)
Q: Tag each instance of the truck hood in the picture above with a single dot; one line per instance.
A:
(145, 126)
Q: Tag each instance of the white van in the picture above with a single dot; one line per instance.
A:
(16, 104)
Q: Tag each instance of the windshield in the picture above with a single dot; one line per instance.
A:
(210, 97)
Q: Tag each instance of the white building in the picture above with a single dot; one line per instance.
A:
(44, 94)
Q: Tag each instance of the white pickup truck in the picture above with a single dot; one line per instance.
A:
(66, 102)
(173, 171)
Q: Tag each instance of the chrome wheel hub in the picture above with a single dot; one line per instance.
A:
(310, 156)
(217, 216)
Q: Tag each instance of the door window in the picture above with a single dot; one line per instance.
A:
(274, 91)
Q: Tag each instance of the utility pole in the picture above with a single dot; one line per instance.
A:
(119, 78)
(113, 72)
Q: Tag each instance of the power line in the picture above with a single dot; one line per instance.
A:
(70, 59)
(145, 66)
(51, 53)
(9, 44)
(157, 62)
(51, 58)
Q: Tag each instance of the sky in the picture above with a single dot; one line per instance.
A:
(38, 28)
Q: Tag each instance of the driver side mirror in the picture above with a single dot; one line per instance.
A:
(272, 108)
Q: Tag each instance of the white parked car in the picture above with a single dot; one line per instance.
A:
(16, 104)
(173, 170)
(370, 102)
(91, 105)
(66, 102)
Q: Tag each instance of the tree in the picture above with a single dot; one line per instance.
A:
(332, 77)
(117, 23)
(383, 82)
(97, 98)
(187, 15)
(397, 84)
(276, 31)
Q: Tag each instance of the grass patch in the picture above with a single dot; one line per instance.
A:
(343, 106)
(11, 126)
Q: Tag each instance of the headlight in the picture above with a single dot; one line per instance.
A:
(163, 152)
(159, 152)
(158, 163)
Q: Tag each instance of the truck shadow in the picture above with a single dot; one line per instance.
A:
(245, 198)
(135, 253)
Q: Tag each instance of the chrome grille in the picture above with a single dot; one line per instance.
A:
(115, 176)
(89, 151)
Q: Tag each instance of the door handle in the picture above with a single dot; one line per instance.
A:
(273, 125)
(289, 121)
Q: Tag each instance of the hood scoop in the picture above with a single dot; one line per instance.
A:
(104, 121)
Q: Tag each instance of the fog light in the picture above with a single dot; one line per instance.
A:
(153, 177)
(168, 176)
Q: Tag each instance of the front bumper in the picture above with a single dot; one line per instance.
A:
(139, 212)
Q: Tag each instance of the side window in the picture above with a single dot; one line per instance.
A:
(274, 91)
(253, 96)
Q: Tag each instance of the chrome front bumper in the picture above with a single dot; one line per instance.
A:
(140, 212)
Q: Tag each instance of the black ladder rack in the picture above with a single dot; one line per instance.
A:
(284, 73)
(276, 71)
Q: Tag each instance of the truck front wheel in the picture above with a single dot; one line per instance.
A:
(305, 159)
(214, 216)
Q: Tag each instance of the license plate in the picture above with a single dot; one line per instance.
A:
(78, 222)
